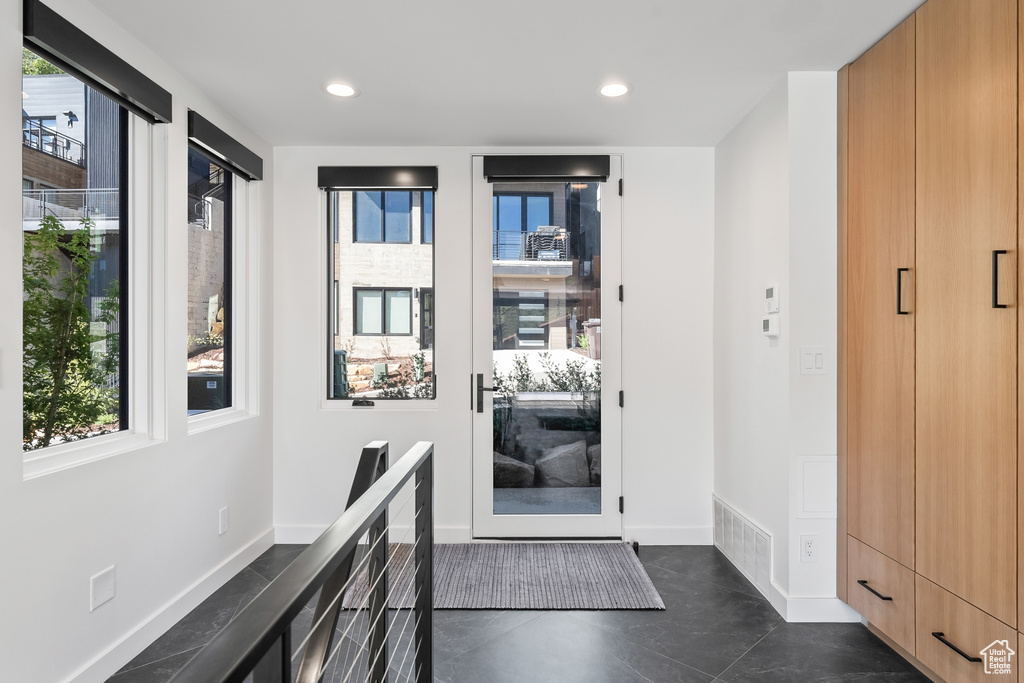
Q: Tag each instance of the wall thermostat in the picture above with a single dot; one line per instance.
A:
(770, 326)
(771, 299)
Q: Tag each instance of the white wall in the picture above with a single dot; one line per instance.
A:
(151, 511)
(667, 450)
(775, 429)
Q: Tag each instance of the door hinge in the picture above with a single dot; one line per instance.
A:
(620, 293)
(622, 399)
(621, 504)
(620, 187)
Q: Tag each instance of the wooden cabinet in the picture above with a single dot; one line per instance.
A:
(967, 348)
(880, 311)
(931, 429)
(882, 591)
(961, 626)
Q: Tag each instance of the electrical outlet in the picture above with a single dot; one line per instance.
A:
(224, 520)
(809, 548)
(102, 587)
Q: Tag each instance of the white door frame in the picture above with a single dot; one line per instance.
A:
(608, 524)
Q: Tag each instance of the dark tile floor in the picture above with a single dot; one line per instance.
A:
(716, 627)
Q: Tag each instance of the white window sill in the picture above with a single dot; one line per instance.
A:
(62, 457)
(215, 419)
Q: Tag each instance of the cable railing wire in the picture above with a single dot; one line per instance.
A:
(257, 644)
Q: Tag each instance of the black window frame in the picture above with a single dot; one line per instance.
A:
(383, 311)
(383, 217)
(550, 196)
(228, 303)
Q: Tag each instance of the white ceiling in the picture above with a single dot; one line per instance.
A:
(518, 72)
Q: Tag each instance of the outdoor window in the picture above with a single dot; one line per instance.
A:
(515, 214)
(383, 311)
(209, 284)
(74, 222)
(381, 281)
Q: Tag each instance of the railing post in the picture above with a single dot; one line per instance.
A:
(276, 665)
(378, 577)
(423, 638)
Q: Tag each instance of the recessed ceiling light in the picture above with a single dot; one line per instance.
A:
(341, 90)
(613, 90)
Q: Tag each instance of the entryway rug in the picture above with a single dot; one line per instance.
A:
(535, 576)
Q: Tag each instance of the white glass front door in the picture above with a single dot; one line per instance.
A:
(547, 357)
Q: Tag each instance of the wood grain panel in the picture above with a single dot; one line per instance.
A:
(894, 617)
(841, 383)
(966, 349)
(880, 351)
(963, 625)
(1020, 320)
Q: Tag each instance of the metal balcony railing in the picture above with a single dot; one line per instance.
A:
(543, 244)
(48, 141)
(71, 204)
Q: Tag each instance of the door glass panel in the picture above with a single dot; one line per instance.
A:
(546, 317)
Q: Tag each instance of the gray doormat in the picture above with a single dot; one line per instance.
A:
(539, 576)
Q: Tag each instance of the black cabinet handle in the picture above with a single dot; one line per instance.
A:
(480, 389)
(995, 278)
(942, 639)
(899, 291)
(878, 595)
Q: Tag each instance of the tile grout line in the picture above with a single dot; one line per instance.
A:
(746, 652)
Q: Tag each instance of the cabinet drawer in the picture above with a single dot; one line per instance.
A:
(963, 626)
(882, 590)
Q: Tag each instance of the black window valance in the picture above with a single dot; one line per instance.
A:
(377, 177)
(58, 40)
(547, 167)
(236, 157)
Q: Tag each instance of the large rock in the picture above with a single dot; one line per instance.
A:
(564, 466)
(531, 445)
(509, 473)
(594, 456)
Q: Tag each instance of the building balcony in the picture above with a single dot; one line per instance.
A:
(543, 252)
(48, 141)
(101, 205)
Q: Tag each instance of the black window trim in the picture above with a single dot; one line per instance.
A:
(228, 304)
(383, 218)
(226, 151)
(383, 311)
(550, 196)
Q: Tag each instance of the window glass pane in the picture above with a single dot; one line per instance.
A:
(369, 307)
(510, 213)
(74, 354)
(381, 324)
(399, 312)
(209, 286)
(538, 212)
(368, 216)
(397, 216)
(428, 217)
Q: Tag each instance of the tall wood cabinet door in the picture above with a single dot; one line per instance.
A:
(966, 347)
(880, 313)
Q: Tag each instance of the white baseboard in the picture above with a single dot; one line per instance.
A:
(108, 662)
(669, 535)
(812, 610)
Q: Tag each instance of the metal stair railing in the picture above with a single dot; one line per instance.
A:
(258, 641)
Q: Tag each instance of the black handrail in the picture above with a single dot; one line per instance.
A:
(258, 639)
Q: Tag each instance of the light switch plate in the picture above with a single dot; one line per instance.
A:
(814, 360)
(102, 587)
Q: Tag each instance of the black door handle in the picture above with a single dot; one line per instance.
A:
(899, 291)
(480, 389)
(864, 583)
(995, 278)
(942, 639)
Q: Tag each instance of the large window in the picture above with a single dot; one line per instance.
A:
(74, 222)
(209, 284)
(514, 215)
(383, 311)
(380, 286)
